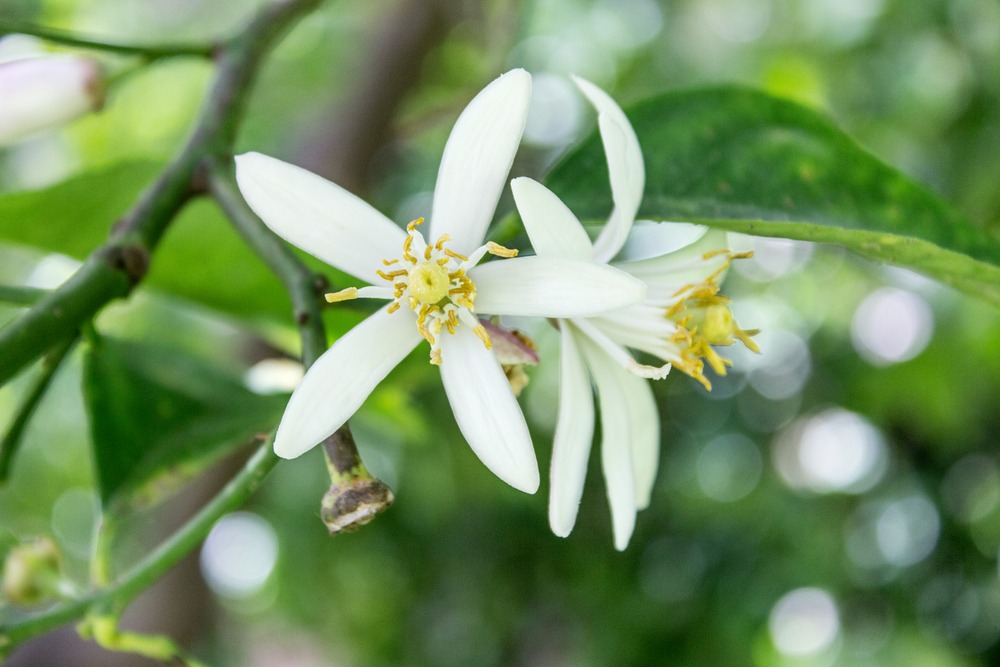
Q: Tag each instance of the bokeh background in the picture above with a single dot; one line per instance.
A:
(833, 501)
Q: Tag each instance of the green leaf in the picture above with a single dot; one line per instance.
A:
(201, 257)
(158, 417)
(75, 216)
(742, 160)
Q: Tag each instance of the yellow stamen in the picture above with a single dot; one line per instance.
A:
(391, 275)
(500, 251)
(345, 294)
(480, 331)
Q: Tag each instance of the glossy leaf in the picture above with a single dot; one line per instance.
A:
(157, 417)
(742, 160)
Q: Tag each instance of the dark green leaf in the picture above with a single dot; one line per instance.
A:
(742, 160)
(158, 417)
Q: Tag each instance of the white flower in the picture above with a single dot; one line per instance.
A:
(681, 318)
(46, 91)
(437, 288)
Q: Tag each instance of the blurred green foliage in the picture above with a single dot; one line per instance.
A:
(463, 570)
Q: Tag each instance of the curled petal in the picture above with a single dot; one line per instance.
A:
(625, 168)
(477, 159)
(573, 436)
(486, 410)
(553, 229)
(318, 216)
(339, 382)
(552, 287)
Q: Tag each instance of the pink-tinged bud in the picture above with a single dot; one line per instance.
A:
(46, 91)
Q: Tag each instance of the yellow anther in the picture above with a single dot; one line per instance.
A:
(484, 336)
(499, 250)
(436, 356)
(455, 255)
(343, 295)
(391, 275)
(745, 338)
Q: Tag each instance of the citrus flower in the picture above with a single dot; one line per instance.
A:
(437, 287)
(682, 317)
(45, 91)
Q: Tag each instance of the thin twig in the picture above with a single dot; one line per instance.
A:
(147, 51)
(356, 495)
(21, 296)
(305, 287)
(113, 270)
(157, 563)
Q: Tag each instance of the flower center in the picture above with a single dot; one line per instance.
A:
(432, 281)
(704, 319)
(429, 282)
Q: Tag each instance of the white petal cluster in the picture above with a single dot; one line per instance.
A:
(437, 287)
(678, 322)
(648, 288)
(42, 92)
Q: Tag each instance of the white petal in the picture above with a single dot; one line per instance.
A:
(339, 382)
(666, 274)
(486, 410)
(644, 419)
(318, 216)
(653, 239)
(625, 167)
(552, 287)
(626, 188)
(573, 436)
(616, 441)
(477, 159)
(553, 229)
(612, 347)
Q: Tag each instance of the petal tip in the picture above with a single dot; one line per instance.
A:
(528, 483)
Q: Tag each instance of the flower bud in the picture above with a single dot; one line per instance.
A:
(31, 572)
(46, 91)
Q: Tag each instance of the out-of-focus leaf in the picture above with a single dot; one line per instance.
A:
(157, 417)
(201, 257)
(742, 160)
(74, 216)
